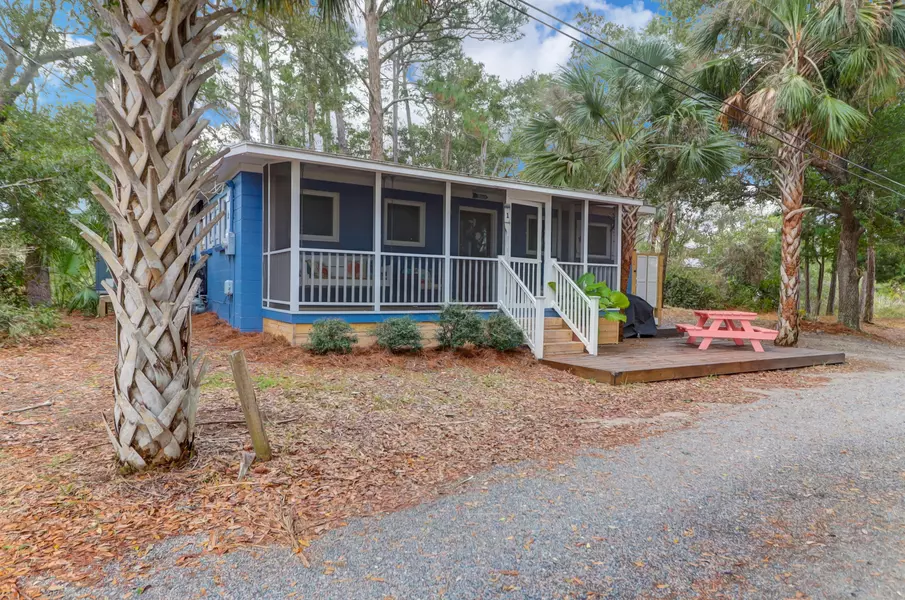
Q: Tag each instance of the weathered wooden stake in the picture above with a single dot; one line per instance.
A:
(249, 404)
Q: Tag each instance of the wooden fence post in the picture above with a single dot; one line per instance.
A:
(249, 404)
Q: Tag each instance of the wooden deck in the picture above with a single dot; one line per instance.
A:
(659, 359)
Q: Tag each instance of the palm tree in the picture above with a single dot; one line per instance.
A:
(789, 63)
(611, 127)
(161, 52)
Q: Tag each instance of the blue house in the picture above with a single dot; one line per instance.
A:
(308, 235)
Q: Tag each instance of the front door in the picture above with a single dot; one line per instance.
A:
(524, 242)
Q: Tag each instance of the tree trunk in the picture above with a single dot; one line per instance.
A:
(157, 180)
(628, 188)
(311, 126)
(37, 278)
(482, 161)
(667, 231)
(831, 296)
(243, 102)
(807, 287)
(820, 274)
(341, 131)
(396, 108)
(267, 111)
(445, 152)
(790, 166)
(847, 283)
(870, 284)
(375, 94)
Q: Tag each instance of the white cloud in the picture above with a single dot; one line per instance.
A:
(543, 50)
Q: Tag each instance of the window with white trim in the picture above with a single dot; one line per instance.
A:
(404, 222)
(320, 216)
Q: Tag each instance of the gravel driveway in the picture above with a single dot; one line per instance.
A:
(797, 495)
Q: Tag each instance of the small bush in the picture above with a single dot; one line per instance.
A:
(503, 333)
(458, 326)
(398, 335)
(21, 322)
(331, 336)
(683, 290)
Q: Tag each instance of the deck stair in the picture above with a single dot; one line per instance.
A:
(559, 340)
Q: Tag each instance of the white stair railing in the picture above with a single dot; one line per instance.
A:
(579, 311)
(516, 300)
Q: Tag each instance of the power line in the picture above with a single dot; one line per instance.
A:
(714, 97)
(701, 101)
(49, 72)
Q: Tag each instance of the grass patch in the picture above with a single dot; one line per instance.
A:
(217, 381)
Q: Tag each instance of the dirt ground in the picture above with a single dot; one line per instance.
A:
(354, 435)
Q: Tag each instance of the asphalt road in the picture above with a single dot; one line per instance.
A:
(801, 494)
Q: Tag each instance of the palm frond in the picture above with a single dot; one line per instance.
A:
(836, 122)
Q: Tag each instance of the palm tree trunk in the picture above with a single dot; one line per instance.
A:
(807, 288)
(790, 168)
(667, 231)
(158, 50)
(628, 188)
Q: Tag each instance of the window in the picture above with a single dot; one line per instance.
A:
(403, 224)
(477, 232)
(599, 238)
(320, 216)
(531, 236)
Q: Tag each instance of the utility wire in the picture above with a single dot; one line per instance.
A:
(712, 96)
(49, 71)
(702, 101)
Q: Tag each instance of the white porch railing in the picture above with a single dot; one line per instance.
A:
(473, 280)
(411, 279)
(526, 309)
(606, 273)
(336, 277)
(529, 270)
(579, 311)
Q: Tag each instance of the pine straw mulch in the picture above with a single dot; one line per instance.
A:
(354, 435)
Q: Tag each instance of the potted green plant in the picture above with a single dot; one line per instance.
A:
(611, 303)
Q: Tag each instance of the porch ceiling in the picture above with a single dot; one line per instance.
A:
(251, 153)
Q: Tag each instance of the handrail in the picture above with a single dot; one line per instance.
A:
(578, 310)
(522, 306)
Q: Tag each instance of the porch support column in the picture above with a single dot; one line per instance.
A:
(618, 282)
(585, 217)
(378, 236)
(547, 245)
(295, 233)
(447, 243)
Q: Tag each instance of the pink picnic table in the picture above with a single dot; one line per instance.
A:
(728, 325)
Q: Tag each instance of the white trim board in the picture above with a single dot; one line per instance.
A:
(246, 152)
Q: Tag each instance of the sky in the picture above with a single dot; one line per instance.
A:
(539, 48)
(543, 50)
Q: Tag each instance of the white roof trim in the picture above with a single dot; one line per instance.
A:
(244, 151)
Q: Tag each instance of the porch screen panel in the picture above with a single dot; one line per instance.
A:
(276, 230)
(265, 234)
(280, 206)
(279, 280)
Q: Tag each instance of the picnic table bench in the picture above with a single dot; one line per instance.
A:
(728, 325)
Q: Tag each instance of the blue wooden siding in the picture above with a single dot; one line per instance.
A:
(242, 310)
(359, 317)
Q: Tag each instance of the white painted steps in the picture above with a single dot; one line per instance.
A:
(559, 339)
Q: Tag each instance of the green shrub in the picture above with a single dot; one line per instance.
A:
(399, 334)
(331, 336)
(683, 290)
(458, 326)
(21, 322)
(503, 333)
